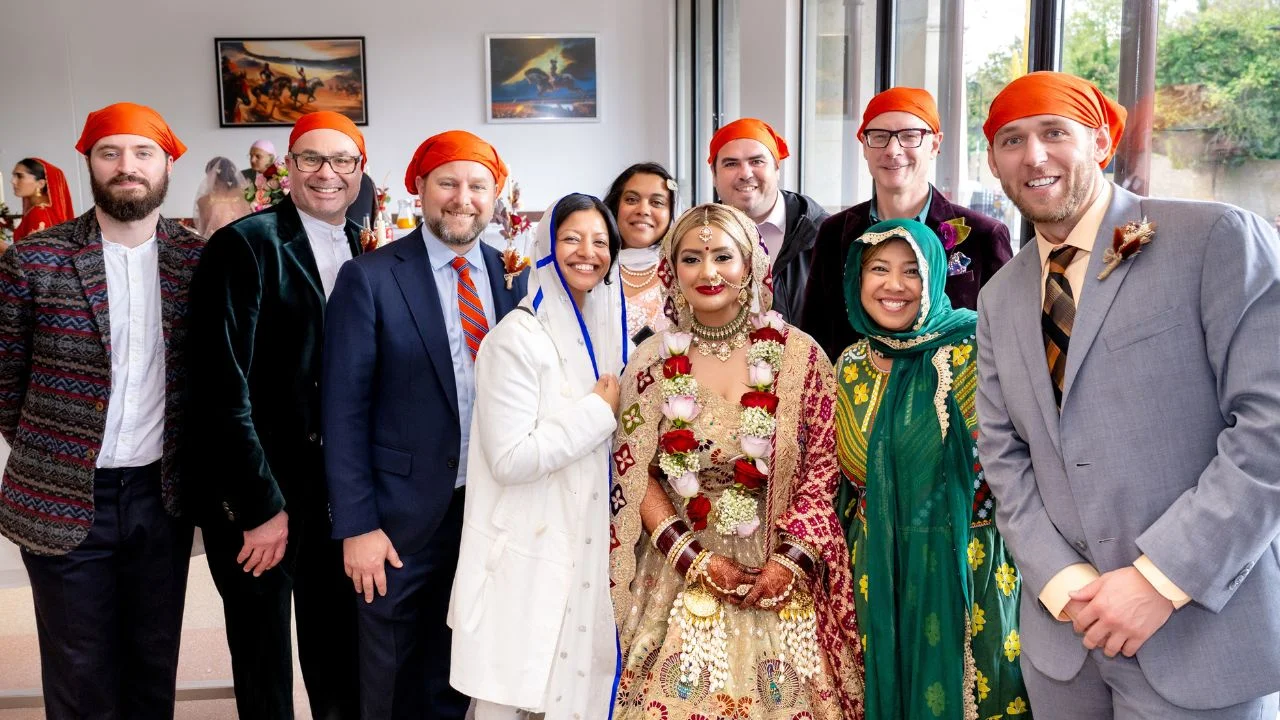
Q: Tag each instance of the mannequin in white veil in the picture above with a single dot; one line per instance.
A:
(220, 198)
(533, 629)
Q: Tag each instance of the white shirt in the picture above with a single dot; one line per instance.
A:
(135, 411)
(331, 247)
(774, 228)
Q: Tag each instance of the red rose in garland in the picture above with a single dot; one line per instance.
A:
(676, 365)
(767, 333)
(698, 509)
(766, 401)
(679, 441)
(746, 474)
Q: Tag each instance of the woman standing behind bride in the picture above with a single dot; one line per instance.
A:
(730, 573)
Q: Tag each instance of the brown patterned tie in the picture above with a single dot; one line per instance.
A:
(1058, 316)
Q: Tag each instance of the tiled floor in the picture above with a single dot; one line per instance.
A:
(204, 659)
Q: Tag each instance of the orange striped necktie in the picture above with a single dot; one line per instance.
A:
(470, 309)
(1057, 316)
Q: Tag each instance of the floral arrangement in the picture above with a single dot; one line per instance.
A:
(516, 229)
(269, 187)
(737, 508)
(6, 228)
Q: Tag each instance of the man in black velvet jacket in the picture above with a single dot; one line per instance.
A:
(254, 447)
(901, 136)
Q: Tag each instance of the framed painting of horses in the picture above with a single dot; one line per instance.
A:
(274, 81)
(541, 78)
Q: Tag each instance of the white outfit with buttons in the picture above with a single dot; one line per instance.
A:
(533, 625)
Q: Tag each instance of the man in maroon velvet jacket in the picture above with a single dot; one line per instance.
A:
(901, 135)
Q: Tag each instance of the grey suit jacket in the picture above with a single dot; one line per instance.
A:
(1168, 442)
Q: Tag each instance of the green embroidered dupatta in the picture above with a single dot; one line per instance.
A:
(920, 487)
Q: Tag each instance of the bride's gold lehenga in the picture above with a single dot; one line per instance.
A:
(762, 682)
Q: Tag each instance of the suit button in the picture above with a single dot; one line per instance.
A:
(91, 454)
(452, 463)
(99, 406)
(313, 437)
(1081, 546)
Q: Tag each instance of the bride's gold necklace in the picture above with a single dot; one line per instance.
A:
(720, 341)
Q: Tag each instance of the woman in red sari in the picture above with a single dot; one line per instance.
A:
(730, 574)
(46, 200)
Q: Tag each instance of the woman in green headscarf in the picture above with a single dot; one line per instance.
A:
(935, 590)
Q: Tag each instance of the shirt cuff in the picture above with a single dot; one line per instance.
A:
(1161, 582)
(1055, 594)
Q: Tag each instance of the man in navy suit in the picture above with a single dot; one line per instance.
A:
(401, 333)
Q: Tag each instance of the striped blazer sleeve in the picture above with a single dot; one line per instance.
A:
(17, 317)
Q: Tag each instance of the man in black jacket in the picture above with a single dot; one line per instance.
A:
(254, 447)
(745, 158)
(901, 135)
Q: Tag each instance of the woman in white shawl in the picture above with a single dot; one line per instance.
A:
(533, 628)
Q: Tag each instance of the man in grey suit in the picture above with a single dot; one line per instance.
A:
(1128, 407)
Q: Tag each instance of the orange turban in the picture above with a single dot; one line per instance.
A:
(903, 99)
(129, 119)
(748, 129)
(329, 120)
(1055, 93)
(449, 146)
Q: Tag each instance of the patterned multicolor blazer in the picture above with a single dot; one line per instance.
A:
(55, 375)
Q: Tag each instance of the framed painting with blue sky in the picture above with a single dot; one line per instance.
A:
(541, 78)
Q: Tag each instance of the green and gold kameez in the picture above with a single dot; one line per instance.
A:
(935, 590)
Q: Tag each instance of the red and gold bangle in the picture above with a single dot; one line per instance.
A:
(678, 548)
(795, 556)
(688, 555)
(662, 528)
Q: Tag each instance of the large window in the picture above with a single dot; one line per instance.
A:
(1200, 82)
(839, 78)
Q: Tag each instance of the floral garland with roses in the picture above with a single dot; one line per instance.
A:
(737, 508)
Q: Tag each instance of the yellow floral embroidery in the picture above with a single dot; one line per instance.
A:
(1017, 707)
(862, 586)
(977, 553)
(850, 373)
(1012, 646)
(983, 688)
(979, 618)
(860, 394)
(864, 643)
(1006, 579)
(960, 354)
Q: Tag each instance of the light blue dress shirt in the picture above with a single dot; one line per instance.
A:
(464, 374)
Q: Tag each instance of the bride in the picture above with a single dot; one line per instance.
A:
(730, 573)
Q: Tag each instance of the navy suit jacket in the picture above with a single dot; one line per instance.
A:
(389, 400)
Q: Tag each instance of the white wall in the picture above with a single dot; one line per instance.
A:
(62, 59)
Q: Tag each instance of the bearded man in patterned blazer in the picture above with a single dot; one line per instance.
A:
(91, 380)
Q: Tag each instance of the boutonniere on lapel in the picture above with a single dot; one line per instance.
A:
(1126, 242)
(952, 233)
(513, 263)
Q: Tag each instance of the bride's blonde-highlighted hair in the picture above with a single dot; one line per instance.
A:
(732, 221)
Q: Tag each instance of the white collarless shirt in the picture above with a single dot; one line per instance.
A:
(330, 246)
(134, 434)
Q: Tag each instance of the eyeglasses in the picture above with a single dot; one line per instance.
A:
(341, 164)
(909, 138)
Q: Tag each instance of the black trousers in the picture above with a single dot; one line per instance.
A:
(257, 612)
(109, 613)
(404, 641)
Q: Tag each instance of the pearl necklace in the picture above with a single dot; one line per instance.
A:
(648, 276)
(720, 341)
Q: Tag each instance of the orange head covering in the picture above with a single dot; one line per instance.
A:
(748, 129)
(903, 99)
(1055, 93)
(329, 120)
(449, 146)
(129, 119)
(58, 192)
